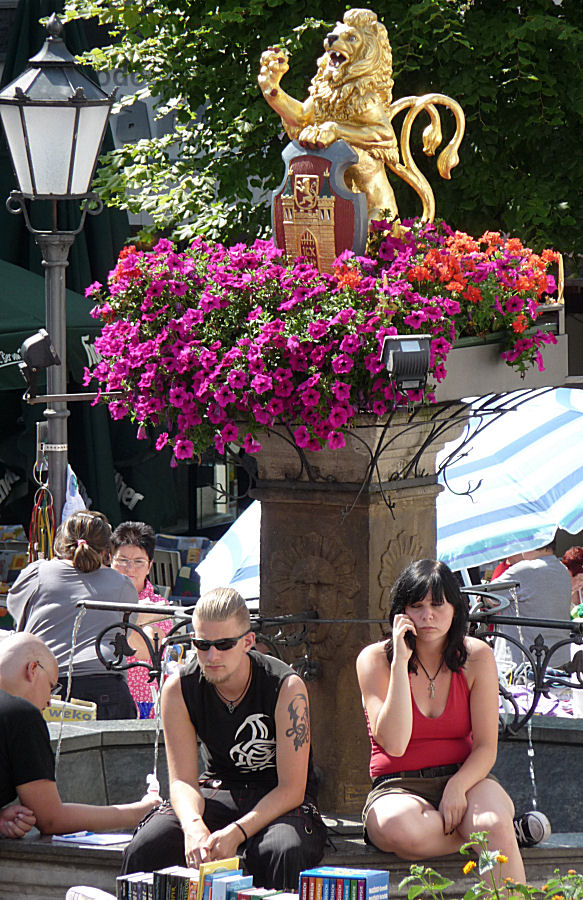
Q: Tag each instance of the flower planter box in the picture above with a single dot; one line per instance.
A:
(475, 368)
(279, 460)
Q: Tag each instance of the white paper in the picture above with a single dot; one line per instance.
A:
(89, 837)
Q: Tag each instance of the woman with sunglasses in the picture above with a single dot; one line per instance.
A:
(44, 601)
(431, 703)
(133, 553)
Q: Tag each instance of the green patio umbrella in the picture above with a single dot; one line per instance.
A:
(22, 313)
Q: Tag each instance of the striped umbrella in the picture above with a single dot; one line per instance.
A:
(517, 480)
(234, 559)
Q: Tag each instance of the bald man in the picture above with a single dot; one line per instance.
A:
(28, 675)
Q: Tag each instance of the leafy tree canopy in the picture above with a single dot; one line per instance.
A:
(516, 67)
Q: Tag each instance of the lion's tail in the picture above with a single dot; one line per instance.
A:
(432, 138)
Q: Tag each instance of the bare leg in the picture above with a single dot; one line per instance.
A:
(491, 809)
(409, 827)
(412, 829)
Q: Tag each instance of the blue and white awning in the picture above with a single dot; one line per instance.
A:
(234, 560)
(526, 469)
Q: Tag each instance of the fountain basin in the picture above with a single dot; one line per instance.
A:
(558, 746)
(105, 762)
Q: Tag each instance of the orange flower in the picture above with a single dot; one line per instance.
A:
(514, 245)
(473, 294)
(347, 277)
(520, 324)
(462, 243)
(523, 283)
(571, 871)
(501, 858)
(419, 273)
(494, 238)
(468, 867)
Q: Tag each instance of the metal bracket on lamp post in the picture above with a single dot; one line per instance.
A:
(55, 246)
(55, 119)
(16, 204)
(71, 398)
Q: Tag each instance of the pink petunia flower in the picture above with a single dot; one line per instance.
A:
(336, 440)
(302, 436)
(183, 449)
(250, 445)
(342, 364)
(229, 433)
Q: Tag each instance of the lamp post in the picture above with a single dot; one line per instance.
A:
(55, 120)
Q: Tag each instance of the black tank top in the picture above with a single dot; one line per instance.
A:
(239, 747)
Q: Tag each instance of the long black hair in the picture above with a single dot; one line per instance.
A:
(430, 576)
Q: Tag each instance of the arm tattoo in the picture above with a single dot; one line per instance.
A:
(299, 717)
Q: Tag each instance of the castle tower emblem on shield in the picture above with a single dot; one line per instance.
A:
(314, 215)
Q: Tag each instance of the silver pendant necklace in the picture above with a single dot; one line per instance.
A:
(429, 678)
(232, 704)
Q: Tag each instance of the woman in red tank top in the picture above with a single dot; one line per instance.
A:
(431, 702)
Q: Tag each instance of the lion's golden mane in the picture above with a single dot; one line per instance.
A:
(367, 75)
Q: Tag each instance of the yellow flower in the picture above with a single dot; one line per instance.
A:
(501, 858)
(472, 865)
(558, 897)
(509, 880)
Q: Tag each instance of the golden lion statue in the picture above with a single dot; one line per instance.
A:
(350, 99)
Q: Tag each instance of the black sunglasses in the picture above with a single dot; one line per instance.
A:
(221, 644)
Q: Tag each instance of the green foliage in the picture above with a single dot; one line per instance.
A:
(426, 882)
(515, 68)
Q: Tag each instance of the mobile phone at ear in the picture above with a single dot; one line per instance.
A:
(410, 640)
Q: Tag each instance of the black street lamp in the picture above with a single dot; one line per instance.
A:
(55, 120)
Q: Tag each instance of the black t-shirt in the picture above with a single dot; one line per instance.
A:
(240, 747)
(25, 747)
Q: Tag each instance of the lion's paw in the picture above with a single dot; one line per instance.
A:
(319, 135)
(274, 65)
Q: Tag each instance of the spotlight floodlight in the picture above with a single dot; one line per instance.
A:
(37, 353)
(406, 359)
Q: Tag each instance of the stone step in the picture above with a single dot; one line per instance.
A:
(561, 851)
(38, 869)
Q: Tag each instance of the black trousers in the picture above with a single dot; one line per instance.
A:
(274, 856)
(109, 691)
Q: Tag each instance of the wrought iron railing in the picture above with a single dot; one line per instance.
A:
(488, 618)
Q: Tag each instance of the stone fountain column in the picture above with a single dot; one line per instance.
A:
(335, 545)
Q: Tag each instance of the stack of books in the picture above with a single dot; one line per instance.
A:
(338, 883)
(224, 880)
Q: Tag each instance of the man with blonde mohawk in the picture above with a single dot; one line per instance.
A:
(256, 795)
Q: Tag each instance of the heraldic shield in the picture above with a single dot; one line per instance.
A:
(313, 213)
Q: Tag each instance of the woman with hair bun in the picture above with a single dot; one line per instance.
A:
(430, 695)
(43, 600)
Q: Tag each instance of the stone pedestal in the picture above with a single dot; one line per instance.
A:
(335, 545)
